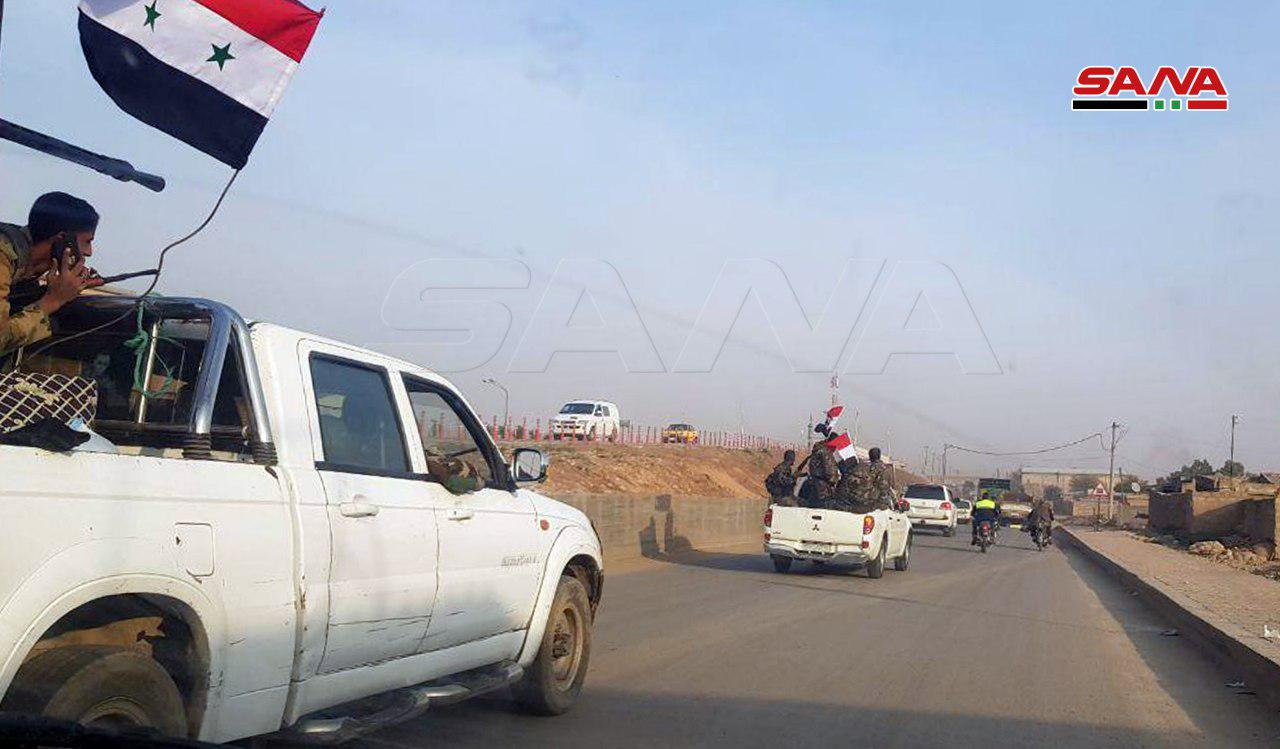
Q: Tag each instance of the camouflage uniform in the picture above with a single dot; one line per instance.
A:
(458, 476)
(781, 484)
(28, 325)
(880, 491)
(851, 490)
(823, 475)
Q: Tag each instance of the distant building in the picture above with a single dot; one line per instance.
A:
(1033, 481)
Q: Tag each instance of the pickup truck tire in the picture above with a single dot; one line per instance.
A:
(99, 684)
(780, 563)
(875, 568)
(553, 681)
(900, 564)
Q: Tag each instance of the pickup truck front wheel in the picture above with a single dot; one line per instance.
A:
(780, 563)
(553, 681)
(99, 685)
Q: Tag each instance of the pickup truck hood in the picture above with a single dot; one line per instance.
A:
(548, 507)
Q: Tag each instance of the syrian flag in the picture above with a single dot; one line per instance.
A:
(207, 72)
(841, 446)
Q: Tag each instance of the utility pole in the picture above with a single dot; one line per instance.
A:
(1111, 475)
(945, 447)
(1231, 463)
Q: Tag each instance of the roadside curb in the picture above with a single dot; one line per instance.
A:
(1260, 673)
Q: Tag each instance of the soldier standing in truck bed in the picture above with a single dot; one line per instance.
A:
(824, 473)
(880, 489)
(851, 489)
(781, 483)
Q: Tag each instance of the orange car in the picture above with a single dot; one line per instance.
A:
(680, 433)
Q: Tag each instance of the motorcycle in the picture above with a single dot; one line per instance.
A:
(986, 535)
(1040, 536)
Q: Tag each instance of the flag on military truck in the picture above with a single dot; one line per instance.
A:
(207, 72)
(841, 446)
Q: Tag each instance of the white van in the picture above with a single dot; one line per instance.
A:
(590, 420)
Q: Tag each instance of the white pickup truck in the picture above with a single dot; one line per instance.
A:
(290, 535)
(821, 536)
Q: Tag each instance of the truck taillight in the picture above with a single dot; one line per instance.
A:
(946, 505)
(768, 517)
(868, 524)
(768, 536)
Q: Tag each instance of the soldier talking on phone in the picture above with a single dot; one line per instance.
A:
(54, 244)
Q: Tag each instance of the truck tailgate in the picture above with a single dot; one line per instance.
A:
(816, 526)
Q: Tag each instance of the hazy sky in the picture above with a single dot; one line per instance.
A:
(1117, 263)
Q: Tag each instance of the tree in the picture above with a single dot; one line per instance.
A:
(1052, 493)
(1124, 483)
(1083, 482)
(1230, 468)
(1197, 467)
(968, 488)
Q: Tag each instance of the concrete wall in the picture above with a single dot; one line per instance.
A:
(1200, 515)
(632, 525)
(1259, 519)
(1169, 513)
(1035, 482)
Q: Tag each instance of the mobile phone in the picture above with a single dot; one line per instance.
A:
(66, 242)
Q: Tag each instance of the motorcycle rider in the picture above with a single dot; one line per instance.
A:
(986, 508)
(1040, 519)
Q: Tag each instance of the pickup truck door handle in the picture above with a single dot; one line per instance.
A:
(460, 513)
(358, 509)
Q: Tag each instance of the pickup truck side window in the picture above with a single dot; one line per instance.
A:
(359, 427)
(455, 457)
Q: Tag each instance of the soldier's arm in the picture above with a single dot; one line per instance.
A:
(26, 326)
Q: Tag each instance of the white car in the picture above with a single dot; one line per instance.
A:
(587, 420)
(289, 526)
(822, 536)
(964, 511)
(932, 506)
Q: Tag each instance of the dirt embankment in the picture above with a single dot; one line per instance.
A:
(578, 468)
(657, 469)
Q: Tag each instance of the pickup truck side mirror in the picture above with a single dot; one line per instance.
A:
(529, 465)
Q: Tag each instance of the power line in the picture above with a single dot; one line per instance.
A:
(1041, 451)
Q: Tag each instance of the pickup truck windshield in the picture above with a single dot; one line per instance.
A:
(577, 408)
(925, 491)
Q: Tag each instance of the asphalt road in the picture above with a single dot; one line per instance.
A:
(1012, 648)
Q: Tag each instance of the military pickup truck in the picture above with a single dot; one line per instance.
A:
(283, 533)
(824, 536)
